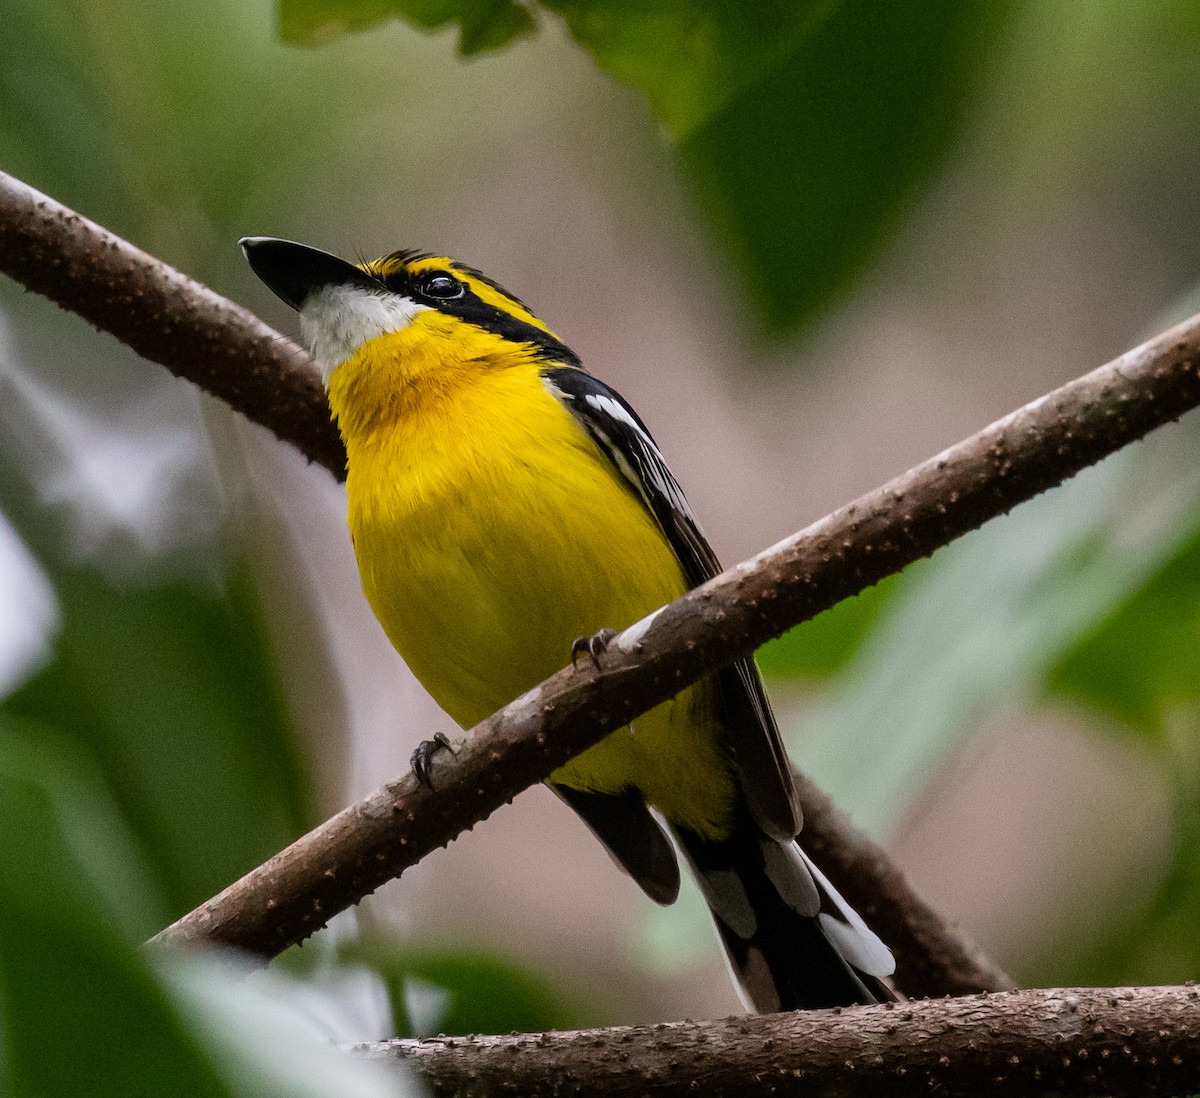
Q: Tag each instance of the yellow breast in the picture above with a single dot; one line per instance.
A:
(490, 532)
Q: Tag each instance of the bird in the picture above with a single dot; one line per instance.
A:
(508, 511)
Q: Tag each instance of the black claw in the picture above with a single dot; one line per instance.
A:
(422, 757)
(594, 646)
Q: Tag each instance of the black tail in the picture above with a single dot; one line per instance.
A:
(792, 941)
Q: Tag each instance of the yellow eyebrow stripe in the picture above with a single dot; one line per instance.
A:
(493, 296)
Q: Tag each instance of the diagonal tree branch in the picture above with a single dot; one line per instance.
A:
(167, 318)
(84, 268)
(1015, 458)
(1066, 1042)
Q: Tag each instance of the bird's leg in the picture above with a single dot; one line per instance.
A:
(593, 646)
(422, 757)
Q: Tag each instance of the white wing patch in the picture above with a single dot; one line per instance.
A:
(650, 476)
(856, 941)
(337, 320)
(622, 463)
(786, 870)
(612, 409)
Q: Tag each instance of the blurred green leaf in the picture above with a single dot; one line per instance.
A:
(1140, 667)
(115, 876)
(172, 690)
(488, 995)
(808, 125)
(807, 170)
(461, 992)
(1141, 664)
(1160, 945)
(980, 628)
(483, 24)
(822, 646)
(690, 57)
(57, 132)
(80, 1012)
(161, 666)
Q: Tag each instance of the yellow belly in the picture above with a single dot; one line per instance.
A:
(486, 548)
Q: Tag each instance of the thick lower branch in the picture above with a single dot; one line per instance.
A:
(1065, 1042)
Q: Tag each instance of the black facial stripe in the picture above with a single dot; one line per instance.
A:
(470, 308)
(492, 319)
(398, 282)
(479, 276)
(474, 311)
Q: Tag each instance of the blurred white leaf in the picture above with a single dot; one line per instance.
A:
(118, 448)
(427, 1005)
(273, 1036)
(29, 611)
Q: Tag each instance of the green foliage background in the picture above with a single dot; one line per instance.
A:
(148, 754)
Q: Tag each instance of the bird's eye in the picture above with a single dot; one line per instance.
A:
(439, 285)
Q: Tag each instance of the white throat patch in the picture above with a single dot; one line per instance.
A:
(337, 320)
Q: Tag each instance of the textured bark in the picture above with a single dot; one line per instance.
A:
(1065, 1042)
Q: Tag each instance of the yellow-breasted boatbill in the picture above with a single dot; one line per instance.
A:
(503, 503)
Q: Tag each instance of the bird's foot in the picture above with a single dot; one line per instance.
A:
(593, 646)
(422, 757)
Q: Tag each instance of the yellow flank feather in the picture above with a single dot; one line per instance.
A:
(491, 532)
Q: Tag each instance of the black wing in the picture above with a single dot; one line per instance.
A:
(623, 823)
(762, 764)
